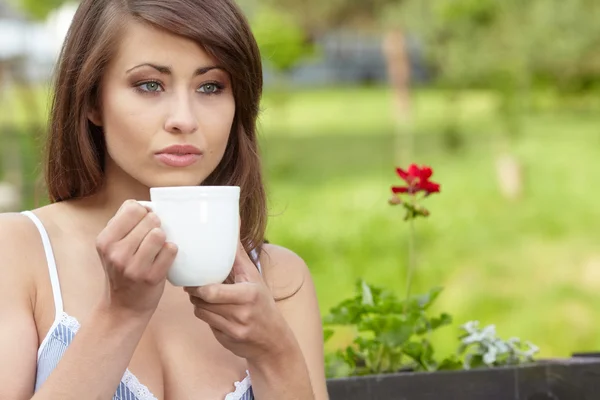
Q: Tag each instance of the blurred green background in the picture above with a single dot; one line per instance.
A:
(500, 98)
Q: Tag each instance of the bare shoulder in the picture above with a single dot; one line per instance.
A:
(18, 251)
(284, 271)
(16, 234)
(290, 281)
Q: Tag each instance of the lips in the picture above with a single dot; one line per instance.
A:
(179, 155)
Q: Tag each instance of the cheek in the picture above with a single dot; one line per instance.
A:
(126, 124)
(217, 128)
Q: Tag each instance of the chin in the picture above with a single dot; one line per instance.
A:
(174, 180)
(171, 183)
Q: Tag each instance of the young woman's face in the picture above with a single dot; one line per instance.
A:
(166, 110)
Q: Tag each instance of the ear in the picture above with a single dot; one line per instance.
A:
(94, 115)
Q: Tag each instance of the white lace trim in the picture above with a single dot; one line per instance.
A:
(70, 322)
(130, 381)
(140, 391)
(240, 388)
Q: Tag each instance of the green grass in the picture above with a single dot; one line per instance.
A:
(531, 266)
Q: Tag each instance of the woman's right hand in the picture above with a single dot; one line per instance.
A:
(136, 259)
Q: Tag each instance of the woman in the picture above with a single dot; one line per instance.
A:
(85, 311)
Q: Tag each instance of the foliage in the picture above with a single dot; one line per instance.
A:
(317, 15)
(482, 347)
(39, 9)
(394, 335)
(283, 43)
(507, 45)
(391, 334)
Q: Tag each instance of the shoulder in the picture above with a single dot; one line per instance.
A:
(16, 233)
(18, 252)
(284, 271)
(19, 234)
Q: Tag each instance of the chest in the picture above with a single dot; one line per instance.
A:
(194, 364)
(177, 357)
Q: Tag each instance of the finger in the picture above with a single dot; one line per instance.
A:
(134, 239)
(237, 314)
(125, 219)
(222, 293)
(214, 320)
(226, 310)
(163, 261)
(151, 245)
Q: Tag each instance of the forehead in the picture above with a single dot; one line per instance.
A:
(142, 43)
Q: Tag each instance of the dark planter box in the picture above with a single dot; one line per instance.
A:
(575, 378)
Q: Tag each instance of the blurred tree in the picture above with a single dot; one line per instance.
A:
(317, 17)
(567, 44)
(283, 45)
(507, 46)
(484, 43)
(39, 9)
(282, 40)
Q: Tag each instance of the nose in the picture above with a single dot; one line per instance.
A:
(181, 117)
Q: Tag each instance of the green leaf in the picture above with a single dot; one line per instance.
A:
(348, 312)
(428, 325)
(350, 357)
(375, 291)
(367, 295)
(426, 300)
(422, 353)
(413, 350)
(336, 366)
(398, 336)
(327, 334)
(451, 363)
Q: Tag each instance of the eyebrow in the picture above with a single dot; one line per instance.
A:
(167, 70)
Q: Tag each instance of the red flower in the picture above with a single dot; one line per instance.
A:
(417, 180)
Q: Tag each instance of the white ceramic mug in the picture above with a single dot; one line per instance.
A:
(203, 221)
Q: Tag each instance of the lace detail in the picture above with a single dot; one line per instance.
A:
(140, 391)
(132, 383)
(240, 388)
(70, 322)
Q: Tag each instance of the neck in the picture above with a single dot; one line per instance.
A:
(118, 187)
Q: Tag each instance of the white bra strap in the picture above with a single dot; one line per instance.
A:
(254, 255)
(58, 302)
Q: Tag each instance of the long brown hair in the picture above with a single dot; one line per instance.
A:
(75, 148)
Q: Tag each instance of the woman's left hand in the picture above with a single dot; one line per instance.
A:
(243, 315)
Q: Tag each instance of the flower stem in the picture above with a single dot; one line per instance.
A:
(411, 256)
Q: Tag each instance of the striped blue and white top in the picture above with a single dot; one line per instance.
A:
(65, 327)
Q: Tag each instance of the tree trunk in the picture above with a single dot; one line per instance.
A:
(510, 176)
(395, 50)
(509, 169)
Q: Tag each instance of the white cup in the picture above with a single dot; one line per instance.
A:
(203, 221)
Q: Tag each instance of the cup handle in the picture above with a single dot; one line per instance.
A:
(147, 204)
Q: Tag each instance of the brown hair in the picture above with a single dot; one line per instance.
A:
(75, 148)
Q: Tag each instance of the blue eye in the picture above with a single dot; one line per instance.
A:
(210, 88)
(150, 87)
